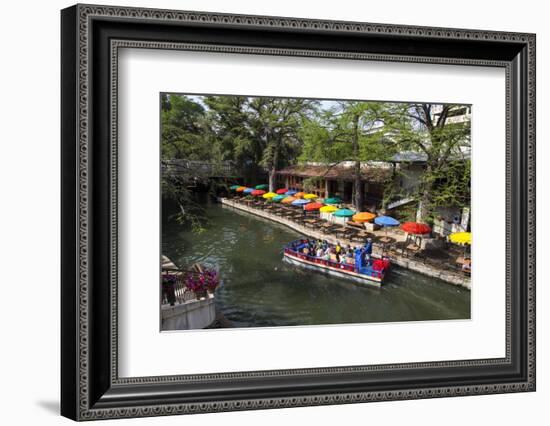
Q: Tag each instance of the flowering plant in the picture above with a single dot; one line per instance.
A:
(207, 280)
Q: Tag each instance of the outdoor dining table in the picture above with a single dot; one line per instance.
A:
(343, 232)
(329, 228)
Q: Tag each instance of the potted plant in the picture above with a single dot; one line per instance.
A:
(203, 282)
(211, 279)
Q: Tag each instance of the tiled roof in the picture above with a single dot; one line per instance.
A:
(368, 173)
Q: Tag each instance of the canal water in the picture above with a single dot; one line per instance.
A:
(258, 289)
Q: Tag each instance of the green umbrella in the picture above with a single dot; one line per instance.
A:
(332, 200)
(278, 198)
(344, 213)
(262, 186)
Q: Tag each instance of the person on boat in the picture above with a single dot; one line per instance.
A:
(358, 259)
(367, 251)
(368, 246)
(320, 253)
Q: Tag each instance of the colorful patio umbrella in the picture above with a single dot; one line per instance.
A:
(278, 198)
(248, 190)
(461, 238)
(241, 189)
(288, 200)
(328, 209)
(416, 228)
(234, 187)
(258, 192)
(333, 200)
(290, 192)
(262, 186)
(386, 221)
(269, 195)
(344, 213)
(313, 206)
(299, 194)
(282, 191)
(299, 202)
(310, 196)
(363, 217)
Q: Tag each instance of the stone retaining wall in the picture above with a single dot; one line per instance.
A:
(191, 315)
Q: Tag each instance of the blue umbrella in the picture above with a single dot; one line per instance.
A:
(386, 221)
(248, 190)
(299, 202)
(291, 192)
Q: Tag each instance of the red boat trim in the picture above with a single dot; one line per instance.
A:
(325, 264)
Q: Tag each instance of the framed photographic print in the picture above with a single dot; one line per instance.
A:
(263, 212)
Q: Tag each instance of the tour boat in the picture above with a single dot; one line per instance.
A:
(370, 272)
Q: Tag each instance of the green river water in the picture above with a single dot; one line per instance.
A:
(258, 289)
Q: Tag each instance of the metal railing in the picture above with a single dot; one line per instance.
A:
(199, 168)
(177, 292)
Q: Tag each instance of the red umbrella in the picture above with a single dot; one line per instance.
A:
(313, 206)
(416, 228)
(258, 192)
(282, 191)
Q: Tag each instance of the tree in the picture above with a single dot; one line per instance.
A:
(229, 124)
(276, 123)
(182, 125)
(350, 131)
(428, 128)
(185, 135)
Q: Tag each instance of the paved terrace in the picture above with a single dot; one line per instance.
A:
(440, 263)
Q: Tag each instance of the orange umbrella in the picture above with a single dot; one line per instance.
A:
(289, 200)
(299, 194)
(313, 206)
(363, 217)
(240, 188)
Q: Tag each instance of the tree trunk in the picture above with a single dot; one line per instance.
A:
(273, 170)
(357, 193)
(425, 198)
(272, 174)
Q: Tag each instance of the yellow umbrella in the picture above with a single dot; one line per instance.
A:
(299, 194)
(363, 217)
(269, 195)
(328, 209)
(461, 238)
(288, 200)
(310, 196)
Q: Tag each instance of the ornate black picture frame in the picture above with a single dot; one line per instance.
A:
(91, 37)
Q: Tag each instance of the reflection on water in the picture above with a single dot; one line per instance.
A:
(258, 289)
